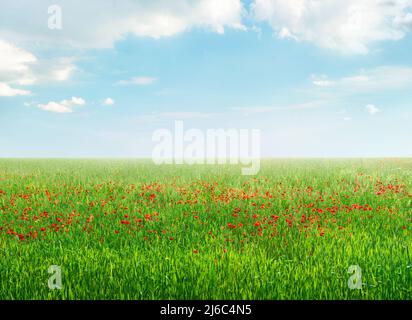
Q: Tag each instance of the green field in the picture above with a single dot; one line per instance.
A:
(127, 229)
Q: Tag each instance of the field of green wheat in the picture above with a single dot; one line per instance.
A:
(128, 229)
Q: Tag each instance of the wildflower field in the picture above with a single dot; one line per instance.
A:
(128, 229)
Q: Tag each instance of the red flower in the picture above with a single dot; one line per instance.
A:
(257, 224)
(48, 195)
(116, 231)
(195, 251)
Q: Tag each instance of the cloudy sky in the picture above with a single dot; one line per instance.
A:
(317, 77)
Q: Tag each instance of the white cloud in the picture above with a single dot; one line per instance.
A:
(404, 21)
(108, 102)
(321, 81)
(21, 67)
(98, 24)
(7, 91)
(349, 26)
(64, 106)
(347, 119)
(52, 70)
(55, 107)
(63, 70)
(366, 80)
(15, 64)
(74, 101)
(140, 81)
(372, 109)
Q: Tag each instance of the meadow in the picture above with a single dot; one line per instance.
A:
(128, 229)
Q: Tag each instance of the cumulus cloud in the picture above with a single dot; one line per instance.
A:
(15, 64)
(140, 81)
(21, 67)
(349, 26)
(108, 102)
(64, 106)
(60, 70)
(98, 24)
(404, 21)
(55, 107)
(7, 91)
(372, 109)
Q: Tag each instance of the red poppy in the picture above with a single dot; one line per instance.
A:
(275, 217)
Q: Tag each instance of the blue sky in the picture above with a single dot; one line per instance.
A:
(318, 78)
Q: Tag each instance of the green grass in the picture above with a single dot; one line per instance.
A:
(302, 224)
